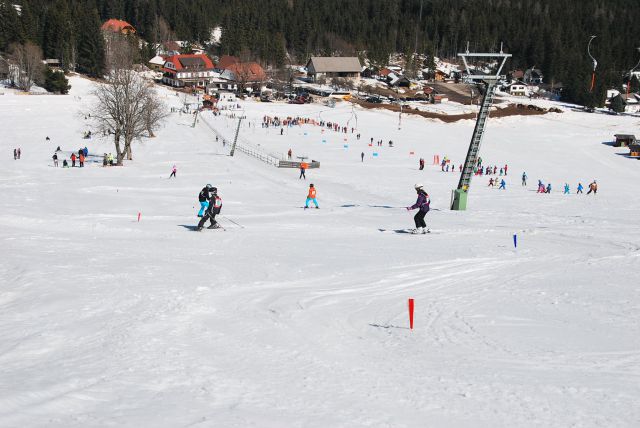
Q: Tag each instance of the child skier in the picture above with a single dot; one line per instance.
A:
(422, 203)
(173, 172)
(580, 187)
(311, 196)
(214, 208)
(203, 198)
(502, 185)
(524, 178)
(548, 188)
(566, 188)
(593, 187)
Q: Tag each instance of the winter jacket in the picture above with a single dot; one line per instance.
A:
(422, 202)
(204, 195)
(215, 204)
(312, 193)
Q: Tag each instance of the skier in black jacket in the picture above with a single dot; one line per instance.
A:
(203, 198)
(215, 205)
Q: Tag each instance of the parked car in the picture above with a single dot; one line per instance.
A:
(375, 100)
(298, 100)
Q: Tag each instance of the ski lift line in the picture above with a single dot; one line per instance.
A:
(631, 74)
(595, 63)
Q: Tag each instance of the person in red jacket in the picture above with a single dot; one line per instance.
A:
(311, 196)
(73, 159)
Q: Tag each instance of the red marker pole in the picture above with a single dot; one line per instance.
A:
(138, 217)
(411, 314)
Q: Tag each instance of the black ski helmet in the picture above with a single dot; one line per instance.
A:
(214, 190)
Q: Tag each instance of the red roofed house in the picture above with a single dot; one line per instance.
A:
(227, 61)
(247, 72)
(118, 26)
(188, 70)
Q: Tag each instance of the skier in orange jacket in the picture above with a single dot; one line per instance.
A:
(311, 196)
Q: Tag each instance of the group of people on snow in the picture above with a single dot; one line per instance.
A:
(16, 153)
(593, 187)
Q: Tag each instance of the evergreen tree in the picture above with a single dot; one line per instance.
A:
(56, 82)
(617, 104)
(90, 44)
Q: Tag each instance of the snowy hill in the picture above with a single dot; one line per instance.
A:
(298, 318)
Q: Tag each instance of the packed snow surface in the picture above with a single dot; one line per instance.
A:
(298, 318)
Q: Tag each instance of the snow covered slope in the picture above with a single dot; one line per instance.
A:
(299, 318)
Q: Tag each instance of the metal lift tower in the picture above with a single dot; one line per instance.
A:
(459, 200)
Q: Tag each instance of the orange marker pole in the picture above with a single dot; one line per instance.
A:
(411, 314)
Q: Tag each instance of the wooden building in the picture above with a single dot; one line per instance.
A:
(330, 67)
(624, 140)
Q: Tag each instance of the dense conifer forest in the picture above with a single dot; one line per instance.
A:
(549, 34)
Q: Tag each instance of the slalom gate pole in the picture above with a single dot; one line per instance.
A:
(411, 306)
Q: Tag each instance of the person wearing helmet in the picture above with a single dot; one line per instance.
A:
(311, 196)
(215, 205)
(593, 187)
(203, 198)
(422, 203)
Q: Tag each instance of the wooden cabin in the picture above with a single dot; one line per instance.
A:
(624, 140)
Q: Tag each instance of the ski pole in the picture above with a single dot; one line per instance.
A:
(227, 218)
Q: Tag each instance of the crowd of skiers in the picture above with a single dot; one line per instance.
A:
(593, 187)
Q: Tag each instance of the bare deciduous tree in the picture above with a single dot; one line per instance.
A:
(127, 107)
(120, 52)
(27, 64)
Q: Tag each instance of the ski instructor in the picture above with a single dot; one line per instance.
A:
(215, 205)
(422, 203)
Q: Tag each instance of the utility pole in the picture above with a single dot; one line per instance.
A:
(490, 82)
(195, 118)
(415, 48)
(235, 139)
(631, 76)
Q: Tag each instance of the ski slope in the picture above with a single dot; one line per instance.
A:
(298, 318)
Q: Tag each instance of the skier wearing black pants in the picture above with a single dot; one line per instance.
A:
(422, 203)
(215, 205)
